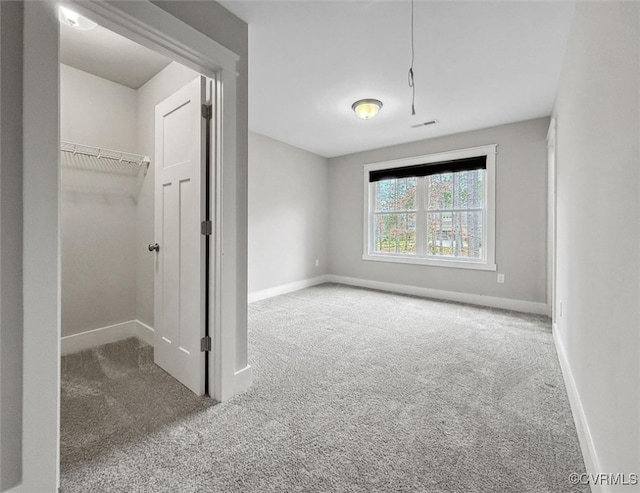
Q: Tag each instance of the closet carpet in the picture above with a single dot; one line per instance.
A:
(354, 391)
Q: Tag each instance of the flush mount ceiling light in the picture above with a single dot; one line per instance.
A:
(367, 108)
(74, 20)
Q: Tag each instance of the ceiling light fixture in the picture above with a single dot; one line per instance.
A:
(75, 20)
(367, 108)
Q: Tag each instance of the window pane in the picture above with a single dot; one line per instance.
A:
(472, 234)
(440, 191)
(395, 233)
(468, 189)
(406, 194)
(395, 195)
(438, 233)
(385, 191)
(455, 234)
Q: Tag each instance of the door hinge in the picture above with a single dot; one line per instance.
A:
(207, 111)
(205, 344)
(206, 228)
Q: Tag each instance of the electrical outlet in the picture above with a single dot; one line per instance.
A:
(317, 262)
(501, 278)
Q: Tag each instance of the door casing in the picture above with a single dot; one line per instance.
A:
(154, 28)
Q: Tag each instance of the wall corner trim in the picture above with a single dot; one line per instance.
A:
(473, 299)
(585, 438)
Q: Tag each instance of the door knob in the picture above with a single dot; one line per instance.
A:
(153, 247)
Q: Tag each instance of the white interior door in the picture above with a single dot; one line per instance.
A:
(180, 254)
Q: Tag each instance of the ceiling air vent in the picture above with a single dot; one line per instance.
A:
(424, 124)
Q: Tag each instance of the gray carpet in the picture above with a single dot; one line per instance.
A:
(354, 391)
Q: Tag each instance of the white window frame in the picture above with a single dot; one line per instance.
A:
(488, 260)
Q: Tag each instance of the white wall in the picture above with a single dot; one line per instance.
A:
(521, 214)
(95, 111)
(98, 209)
(598, 203)
(169, 80)
(288, 214)
(10, 244)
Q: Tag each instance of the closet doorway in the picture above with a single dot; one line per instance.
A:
(134, 127)
(158, 29)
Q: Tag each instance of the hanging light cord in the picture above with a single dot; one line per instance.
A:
(410, 75)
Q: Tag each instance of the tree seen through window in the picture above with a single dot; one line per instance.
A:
(437, 215)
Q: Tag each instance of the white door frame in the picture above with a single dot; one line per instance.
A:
(154, 28)
(551, 219)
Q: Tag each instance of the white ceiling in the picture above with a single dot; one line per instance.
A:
(478, 64)
(108, 55)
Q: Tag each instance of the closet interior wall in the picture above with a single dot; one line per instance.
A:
(106, 218)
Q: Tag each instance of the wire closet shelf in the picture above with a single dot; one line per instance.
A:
(100, 159)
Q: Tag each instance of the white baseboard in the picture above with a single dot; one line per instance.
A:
(243, 379)
(105, 335)
(473, 299)
(285, 288)
(589, 454)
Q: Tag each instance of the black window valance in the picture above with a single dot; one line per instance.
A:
(465, 164)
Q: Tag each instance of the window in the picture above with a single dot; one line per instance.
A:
(434, 210)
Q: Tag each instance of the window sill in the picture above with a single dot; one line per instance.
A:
(457, 264)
